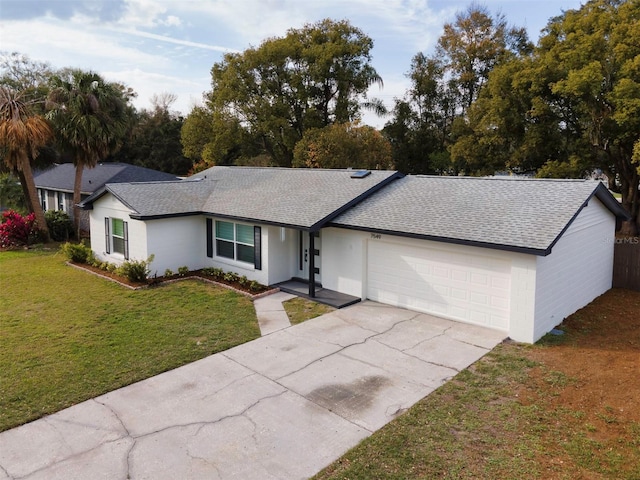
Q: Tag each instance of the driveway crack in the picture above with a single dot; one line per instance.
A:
(6, 473)
(204, 424)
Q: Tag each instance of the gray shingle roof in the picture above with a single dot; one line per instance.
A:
(514, 214)
(302, 198)
(61, 176)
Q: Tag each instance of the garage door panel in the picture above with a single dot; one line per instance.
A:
(454, 285)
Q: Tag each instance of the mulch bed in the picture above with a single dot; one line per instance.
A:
(157, 281)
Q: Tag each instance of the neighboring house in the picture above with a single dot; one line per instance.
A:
(516, 255)
(55, 184)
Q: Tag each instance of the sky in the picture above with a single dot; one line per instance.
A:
(157, 46)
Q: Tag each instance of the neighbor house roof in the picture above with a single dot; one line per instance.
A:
(61, 176)
(302, 198)
(526, 215)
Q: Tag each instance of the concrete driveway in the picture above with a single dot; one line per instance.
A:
(280, 407)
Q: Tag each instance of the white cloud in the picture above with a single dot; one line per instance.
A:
(146, 84)
(177, 41)
(67, 44)
(171, 21)
(142, 13)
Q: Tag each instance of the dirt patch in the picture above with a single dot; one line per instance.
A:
(565, 408)
(591, 378)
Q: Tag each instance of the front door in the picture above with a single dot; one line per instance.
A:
(304, 254)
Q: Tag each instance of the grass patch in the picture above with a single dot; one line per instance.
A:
(300, 309)
(471, 427)
(503, 417)
(68, 336)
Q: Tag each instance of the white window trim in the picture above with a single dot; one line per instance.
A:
(109, 236)
(235, 242)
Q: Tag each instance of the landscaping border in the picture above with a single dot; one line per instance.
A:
(188, 276)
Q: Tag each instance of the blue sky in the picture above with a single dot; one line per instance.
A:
(157, 46)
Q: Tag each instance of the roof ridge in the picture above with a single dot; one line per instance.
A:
(290, 169)
(152, 182)
(505, 178)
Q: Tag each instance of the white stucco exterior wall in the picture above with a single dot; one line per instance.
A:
(279, 253)
(109, 206)
(522, 301)
(579, 268)
(343, 261)
(175, 242)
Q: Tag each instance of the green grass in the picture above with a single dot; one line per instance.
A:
(68, 336)
(300, 309)
(477, 426)
(453, 433)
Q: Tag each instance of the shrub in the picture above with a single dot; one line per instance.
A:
(243, 281)
(255, 286)
(16, 230)
(59, 224)
(231, 277)
(182, 271)
(218, 273)
(79, 253)
(136, 270)
(168, 272)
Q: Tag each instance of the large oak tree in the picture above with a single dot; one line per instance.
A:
(310, 78)
(569, 109)
(445, 85)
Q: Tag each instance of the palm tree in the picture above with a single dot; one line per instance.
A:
(90, 119)
(22, 134)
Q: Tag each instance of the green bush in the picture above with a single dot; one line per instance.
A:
(255, 286)
(243, 281)
(218, 273)
(78, 252)
(136, 270)
(231, 277)
(59, 225)
(182, 271)
(168, 272)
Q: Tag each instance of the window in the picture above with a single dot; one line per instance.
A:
(116, 233)
(43, 199)
(60, 200)
(235, 241)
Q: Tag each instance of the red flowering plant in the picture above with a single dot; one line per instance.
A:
(16, 230)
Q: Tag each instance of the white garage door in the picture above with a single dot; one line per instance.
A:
(460, 286)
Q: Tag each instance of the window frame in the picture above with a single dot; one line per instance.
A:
(238, 245)
(110, 236)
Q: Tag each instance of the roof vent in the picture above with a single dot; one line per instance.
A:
(361, 173)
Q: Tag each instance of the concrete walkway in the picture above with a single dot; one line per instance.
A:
(280, 407)
(270, 312)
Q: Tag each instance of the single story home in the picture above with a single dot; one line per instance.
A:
(55, 184)
(516, 255)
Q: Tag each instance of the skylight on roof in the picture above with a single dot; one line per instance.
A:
(361, 173)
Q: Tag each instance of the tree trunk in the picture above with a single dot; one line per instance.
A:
(32, 196)
(25, 190)
(77, 192)
(629, 182)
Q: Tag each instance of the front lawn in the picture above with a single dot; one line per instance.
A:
(67, 336)
(300, 309)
